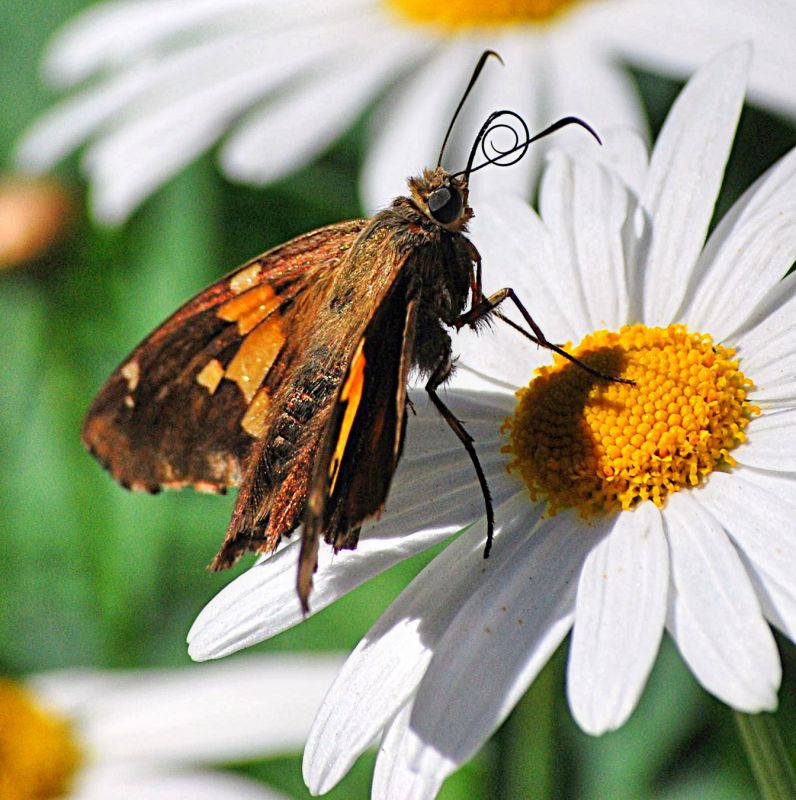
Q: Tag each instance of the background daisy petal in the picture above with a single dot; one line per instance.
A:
(619, 618)
(206, 713)
(408, 126)
(294, 128)
(123, 783)
(714, 615)
(771, 441)
(496, 645)
(757, 509)
(685, 175)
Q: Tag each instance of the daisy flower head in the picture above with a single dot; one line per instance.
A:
(621, 510)
(152, 734)
(277, 83)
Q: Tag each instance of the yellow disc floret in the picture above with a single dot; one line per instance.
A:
(595, 445)
(458, 14)
(38, 754)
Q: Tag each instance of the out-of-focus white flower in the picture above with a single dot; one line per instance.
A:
(675, 496)
(152, 734)
(166, 79)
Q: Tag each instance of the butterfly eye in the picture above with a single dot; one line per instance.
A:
(445, 204)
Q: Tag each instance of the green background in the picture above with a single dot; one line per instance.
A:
(93, 575)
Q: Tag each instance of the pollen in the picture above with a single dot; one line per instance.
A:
(458, 14)
(595, 445)
(38, 753)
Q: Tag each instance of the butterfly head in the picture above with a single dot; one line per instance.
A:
(442, 198)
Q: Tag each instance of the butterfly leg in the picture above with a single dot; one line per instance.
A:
(489, 304)
(438, 377)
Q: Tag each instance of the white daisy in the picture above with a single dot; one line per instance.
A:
(168, 78)
(147, 734)
(701, 449)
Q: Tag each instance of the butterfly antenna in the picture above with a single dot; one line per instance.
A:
(476, 72)
(522, 139)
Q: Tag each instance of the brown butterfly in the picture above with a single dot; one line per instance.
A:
(288, 377)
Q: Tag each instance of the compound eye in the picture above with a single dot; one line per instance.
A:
(445, 204)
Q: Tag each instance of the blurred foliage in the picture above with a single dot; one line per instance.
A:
(93, 575)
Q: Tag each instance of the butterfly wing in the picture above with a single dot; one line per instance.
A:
(187, 405)
(364, 437)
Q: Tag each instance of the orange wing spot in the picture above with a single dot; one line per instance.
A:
(210, 375)
(256, 355)
(246, 278)
(250, 308)
(351, 395)
(254, 420)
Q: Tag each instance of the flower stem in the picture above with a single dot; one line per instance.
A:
(767, 755)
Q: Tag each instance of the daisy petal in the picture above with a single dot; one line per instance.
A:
(207, 713)
(755, 235)
(498, 642)
(714, 614)
(288, 126)
(685, 175)
(599, 205)
(385, 669)
(767, 346)
(409, 124)
(393, 777)
(771, 442)
(619, 618)
(115, 33)
(199, 92)
(757, 509)
(123, 783)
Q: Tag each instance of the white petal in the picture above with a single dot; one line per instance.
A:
(595, 218)
(297, 126)
(517, 252)
(624, 151)
(104, 782)
(383, 672)
(198, 714)
(619, 620)
(115, 33)
(685, 176)
(757, 509)
(675, 37)
(409, 125)
(198, 94)
(771, 441)
(585, 80)
(754, 237)
(393, 777)
(67, 125)
(497, 644)
(435, 493)
(714, 614)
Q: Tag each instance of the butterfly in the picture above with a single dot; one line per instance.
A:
(287, 378)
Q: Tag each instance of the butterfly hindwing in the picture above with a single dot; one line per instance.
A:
(364, 437)
(186, 406)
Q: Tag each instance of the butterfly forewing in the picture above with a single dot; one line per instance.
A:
(186, 407)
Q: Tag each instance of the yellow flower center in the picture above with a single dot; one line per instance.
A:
(598, 446)
(457, 14)
(38, 754)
